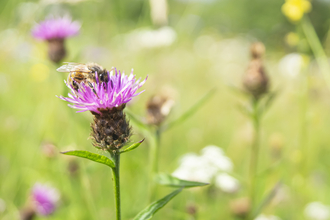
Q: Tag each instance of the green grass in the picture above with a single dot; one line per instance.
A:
(31, 114)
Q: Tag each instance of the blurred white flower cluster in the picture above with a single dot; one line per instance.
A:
(148, 38)
(211, 165)
(317, 211)
(292, 64)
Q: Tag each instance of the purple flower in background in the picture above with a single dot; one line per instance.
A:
(55, 31)
(118, 90)
(45, 199)
(56, 28)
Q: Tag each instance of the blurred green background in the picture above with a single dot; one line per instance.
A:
(211, 49)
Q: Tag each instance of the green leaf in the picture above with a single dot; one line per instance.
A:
(168, 180)
(149, 212)
(190, 112)
(91, 156)
(132, 147)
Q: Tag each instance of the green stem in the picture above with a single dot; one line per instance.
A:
(116, 183)
(254, 152)
(304, 123)
(154, 156)
(317, 48)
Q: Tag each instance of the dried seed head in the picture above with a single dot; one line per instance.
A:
(56, 49)
(257, 50)
(110, 128)
(240, 207)
(255, 79)
(158, 108)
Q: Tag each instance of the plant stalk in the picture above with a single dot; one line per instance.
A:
(154, 157)
(317, 48)
(116, 182)
(254, 152)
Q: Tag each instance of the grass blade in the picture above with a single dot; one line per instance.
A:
(149, 212)
(267, 200)
(190, 112)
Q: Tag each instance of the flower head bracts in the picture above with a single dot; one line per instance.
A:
(119, 90)
(56, 28)
(45, 199)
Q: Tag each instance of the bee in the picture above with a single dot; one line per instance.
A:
(85, 73)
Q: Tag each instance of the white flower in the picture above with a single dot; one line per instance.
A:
(216, 157)
(267, 217)
(291, 64)
(147, 38)
(205, 167)
(317, 211)
(194, 168)
(226, 183)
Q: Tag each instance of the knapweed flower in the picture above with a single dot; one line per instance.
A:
(45, 199)
(106, 100)
(295, 9)
(55, 31)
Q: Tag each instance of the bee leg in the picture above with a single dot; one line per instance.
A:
(91, 86)
(75, 85)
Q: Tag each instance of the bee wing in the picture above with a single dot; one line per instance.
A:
(77, 67)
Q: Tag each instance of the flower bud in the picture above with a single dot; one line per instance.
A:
(158, 108)
(257, 50)
(255, 79)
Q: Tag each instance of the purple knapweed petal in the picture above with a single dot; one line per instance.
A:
(60, 28)
(119, 90)
(45, 199)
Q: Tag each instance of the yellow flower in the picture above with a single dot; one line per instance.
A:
(295, 9)
(292, 39)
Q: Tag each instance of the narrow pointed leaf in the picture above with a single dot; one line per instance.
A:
(149, 212)
(267, 199)
(132, 147)
(190, 112)
(136, 121)
(91, 156)
(168, 180)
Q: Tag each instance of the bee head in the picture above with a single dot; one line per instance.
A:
(103, 75)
